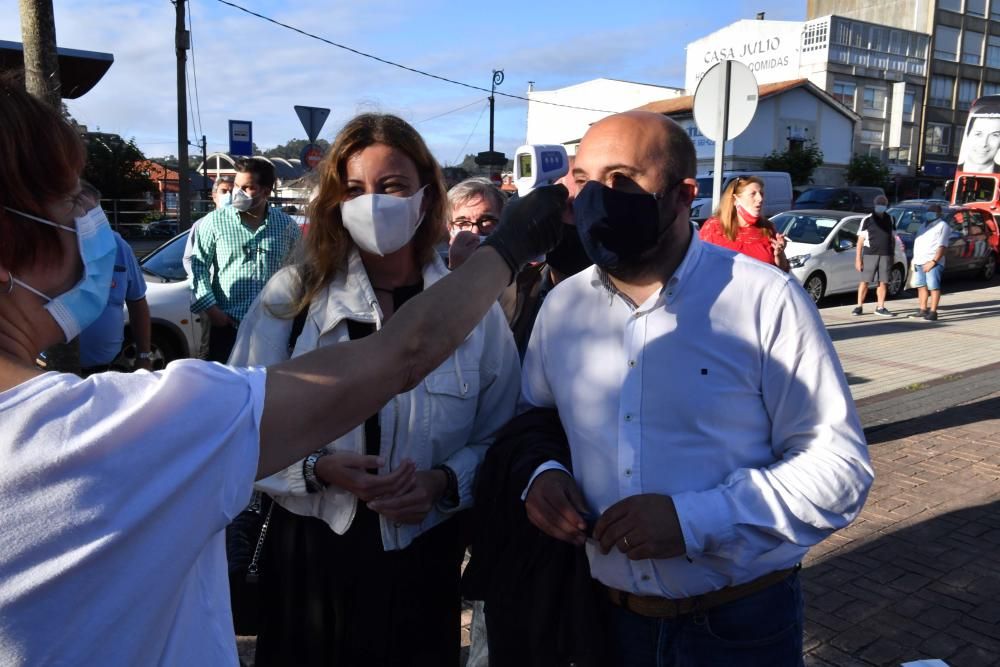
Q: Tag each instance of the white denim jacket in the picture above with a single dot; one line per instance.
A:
(450, 417)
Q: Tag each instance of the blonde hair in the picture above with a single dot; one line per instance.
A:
(727, 213)
(328, 243)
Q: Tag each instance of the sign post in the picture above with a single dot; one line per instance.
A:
(724, 104)
(312, 119)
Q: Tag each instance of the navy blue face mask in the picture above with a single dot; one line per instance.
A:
(616, 227)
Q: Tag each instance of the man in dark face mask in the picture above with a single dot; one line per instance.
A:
(635, 186)
(712, 434)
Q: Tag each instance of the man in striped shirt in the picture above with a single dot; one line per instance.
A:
(237, 250)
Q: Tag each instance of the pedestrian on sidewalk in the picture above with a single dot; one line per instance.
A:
(928, 261)
(876, 242)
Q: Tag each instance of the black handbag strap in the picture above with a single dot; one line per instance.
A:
(298, 324)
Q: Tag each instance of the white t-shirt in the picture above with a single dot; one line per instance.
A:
(114, 493)
(932, 236)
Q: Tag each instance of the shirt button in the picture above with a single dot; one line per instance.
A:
(631, 363)
(628, 472)
(628, 417)
(645, 577)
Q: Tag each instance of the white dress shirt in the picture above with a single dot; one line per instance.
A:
(722, 391)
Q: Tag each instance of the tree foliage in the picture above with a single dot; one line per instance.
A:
(113, 167)
(867, 170)
(293, 148)
(799, 161)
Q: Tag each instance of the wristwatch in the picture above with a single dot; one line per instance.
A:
(313, 483)
(450, 498)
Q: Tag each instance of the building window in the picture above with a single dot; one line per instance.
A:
(991, 88)
(946, 43)
(942, 90)
(952, 5)
(967, 90)
(908, 104)
(899, 155)
(975, 7)
(844, 93)
(995, 11)
(972, 47)
(814, 37)
(874, 99)
(993, 50)
(937, 140)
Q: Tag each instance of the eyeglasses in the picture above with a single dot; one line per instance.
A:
(483, 222)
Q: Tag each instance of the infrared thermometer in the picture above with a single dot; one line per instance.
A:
(538, 164)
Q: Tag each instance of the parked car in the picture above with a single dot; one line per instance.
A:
(777, 192)
(973, 242)
(821, 252)
(166, 228)
(176, 333)
(860, 199)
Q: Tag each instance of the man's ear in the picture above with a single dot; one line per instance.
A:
(689, 190)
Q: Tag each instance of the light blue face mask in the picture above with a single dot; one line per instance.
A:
(78, 308)
(223, 199)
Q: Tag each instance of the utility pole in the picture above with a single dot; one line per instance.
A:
(182, 42)
(497, 80)
(41, 60)
(204, 167)
(41, 79)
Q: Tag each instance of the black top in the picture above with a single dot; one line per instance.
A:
(879, 230)
(356, 330)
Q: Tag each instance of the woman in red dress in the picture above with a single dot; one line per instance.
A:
(738, 224)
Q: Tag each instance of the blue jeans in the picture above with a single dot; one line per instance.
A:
(763, 629)
(929, 279)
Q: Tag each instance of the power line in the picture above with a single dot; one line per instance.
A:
(466, 106)
(404, 67)
(194, 69)
(469, 138)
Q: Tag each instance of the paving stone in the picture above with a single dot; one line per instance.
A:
(883, 652)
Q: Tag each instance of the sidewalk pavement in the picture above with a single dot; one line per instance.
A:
(917, 575)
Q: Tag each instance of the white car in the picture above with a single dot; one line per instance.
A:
(176, 333)
(822, 248)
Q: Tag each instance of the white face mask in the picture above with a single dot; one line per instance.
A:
(241, 201)
(382, 224)
(880, 208)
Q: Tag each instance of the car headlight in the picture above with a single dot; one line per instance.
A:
(798, 261)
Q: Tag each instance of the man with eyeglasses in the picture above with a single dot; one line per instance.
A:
(475, 205)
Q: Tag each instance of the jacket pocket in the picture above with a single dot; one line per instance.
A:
(453, 399)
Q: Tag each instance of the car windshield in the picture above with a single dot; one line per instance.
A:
(804, 228)
(166, 262)
(907, 220)
(815, 198)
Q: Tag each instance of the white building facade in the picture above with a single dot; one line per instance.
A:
(562, 116)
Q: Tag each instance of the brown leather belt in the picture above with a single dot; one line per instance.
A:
(657, 607)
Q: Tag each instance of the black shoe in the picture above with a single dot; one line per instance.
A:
(884, 312)
(857, 311)
(931, 316)
(920, 314)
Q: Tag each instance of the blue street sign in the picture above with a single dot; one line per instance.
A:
(240, 137)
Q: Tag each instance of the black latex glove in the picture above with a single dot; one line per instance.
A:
(530, 226)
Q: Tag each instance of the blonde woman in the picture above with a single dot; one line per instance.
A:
(361, 562)
(739, 225)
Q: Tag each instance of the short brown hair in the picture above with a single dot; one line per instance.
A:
(328, 243)
(41, 159)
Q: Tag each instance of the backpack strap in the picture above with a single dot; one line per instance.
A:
(298, 324)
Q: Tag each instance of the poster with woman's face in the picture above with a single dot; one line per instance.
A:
(981, 141)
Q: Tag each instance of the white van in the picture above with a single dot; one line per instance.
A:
(777, 192)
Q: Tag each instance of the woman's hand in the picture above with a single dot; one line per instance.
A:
(413, 505)
(778, 244)
(349, 471)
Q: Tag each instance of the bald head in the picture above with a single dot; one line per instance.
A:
(648, 148)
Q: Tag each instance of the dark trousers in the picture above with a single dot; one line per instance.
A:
(342, 601)
(761, 630)
(220, 343)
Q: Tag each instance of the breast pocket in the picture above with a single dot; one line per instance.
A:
(452, 402)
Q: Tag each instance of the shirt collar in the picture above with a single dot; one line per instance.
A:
(599, 278)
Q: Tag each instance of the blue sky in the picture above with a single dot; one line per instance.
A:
(252, 70)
